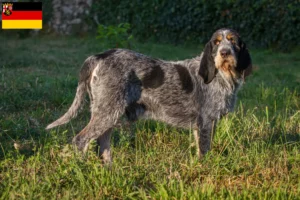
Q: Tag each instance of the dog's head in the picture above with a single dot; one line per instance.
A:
(225, 53)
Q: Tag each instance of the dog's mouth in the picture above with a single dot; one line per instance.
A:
(226, 64)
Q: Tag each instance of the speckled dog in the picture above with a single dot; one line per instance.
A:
(191, 93)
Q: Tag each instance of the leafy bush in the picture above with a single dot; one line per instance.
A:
(115, 36)
(265, 23)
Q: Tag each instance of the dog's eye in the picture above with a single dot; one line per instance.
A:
(232, 40)
(217, 42)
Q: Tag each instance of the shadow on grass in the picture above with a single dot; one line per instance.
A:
(283, 138)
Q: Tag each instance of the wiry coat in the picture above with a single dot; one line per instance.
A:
(193, 93)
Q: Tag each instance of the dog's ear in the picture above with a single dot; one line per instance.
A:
(244, 64)
(207, 66)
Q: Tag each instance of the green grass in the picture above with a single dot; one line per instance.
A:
(255, 154)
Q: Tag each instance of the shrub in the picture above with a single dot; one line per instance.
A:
(265, 23)
(115, 36)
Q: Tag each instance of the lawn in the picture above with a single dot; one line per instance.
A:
(255, 153)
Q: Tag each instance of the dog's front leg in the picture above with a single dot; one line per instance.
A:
(203, 135)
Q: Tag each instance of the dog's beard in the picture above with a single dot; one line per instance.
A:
(225, 64)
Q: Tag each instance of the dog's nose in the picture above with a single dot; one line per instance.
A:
(225, 52)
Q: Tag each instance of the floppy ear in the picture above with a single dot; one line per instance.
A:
(207, 66)
(244, 64)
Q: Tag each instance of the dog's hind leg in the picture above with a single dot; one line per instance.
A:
(103, 146)
(98, 127)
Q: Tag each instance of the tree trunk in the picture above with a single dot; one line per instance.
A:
(69, 16)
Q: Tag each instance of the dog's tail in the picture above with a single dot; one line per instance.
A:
(85, 73)
(73, 110)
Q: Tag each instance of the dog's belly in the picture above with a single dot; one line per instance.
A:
(178, 115)
(183, 120)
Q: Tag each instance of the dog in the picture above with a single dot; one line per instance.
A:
(193, 93)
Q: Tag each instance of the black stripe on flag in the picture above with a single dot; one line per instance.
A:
(25, 6)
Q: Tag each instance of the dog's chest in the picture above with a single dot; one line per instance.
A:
(217, 100)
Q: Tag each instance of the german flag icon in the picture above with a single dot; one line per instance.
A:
(22, 15)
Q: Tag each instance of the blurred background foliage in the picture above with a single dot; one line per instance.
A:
(264, 23)
(115, 36)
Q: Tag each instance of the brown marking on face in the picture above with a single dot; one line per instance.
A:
(231, 37)
(218, 39)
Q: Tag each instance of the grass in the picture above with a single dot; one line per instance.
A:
(255, 154)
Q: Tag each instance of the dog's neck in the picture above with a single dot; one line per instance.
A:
(228, 82)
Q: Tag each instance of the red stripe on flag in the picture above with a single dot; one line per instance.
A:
(23, 15)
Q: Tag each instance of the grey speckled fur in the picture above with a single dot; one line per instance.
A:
(193, 93)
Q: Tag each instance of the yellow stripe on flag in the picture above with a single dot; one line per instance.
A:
(22, 24)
